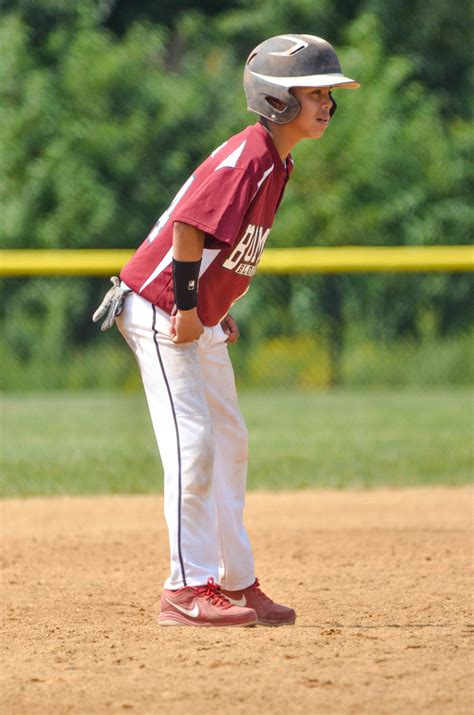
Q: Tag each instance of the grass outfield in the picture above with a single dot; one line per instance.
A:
(79, 443)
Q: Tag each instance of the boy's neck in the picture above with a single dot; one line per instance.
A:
(282, 137)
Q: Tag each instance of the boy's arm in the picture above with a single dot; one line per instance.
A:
(188, 245)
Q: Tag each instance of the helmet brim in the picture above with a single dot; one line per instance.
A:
(314, 80)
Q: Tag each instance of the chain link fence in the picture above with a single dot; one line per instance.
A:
(304, 331)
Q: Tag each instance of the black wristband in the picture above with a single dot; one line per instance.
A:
(185, 282)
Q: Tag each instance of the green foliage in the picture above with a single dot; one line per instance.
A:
(106, 108)
(47, 340)
(435, 36)
(389, 171)
(301, 361)
(409, 363)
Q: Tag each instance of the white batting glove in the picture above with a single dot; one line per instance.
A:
(112, 304)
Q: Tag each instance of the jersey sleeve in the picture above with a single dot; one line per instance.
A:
(219, 204)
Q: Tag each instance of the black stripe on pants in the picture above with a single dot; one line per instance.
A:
(155, 340)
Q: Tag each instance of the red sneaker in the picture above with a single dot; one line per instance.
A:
(202, 606)
(268, 613)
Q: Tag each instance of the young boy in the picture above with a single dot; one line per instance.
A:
(172, 308)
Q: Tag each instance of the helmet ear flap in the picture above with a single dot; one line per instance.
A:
(333, 105)
(276, 103)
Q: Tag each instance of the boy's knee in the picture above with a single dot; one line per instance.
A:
(199, 463)
(242, 431)
(239, 438)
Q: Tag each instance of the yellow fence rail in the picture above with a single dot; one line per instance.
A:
(350, 259)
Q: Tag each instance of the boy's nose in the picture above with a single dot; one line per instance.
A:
(327, 101)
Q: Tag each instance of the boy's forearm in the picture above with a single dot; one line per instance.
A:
(188, 242)
(188, 245)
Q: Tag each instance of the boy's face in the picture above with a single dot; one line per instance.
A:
(313, 119)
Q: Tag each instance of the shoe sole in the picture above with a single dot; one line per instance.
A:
(269, 624)
(184, 622)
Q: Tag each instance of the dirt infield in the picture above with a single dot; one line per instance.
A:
(380, 581)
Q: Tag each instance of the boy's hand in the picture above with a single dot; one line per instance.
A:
(186, 326)
(229, 326)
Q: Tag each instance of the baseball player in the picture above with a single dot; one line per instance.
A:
(172, 307)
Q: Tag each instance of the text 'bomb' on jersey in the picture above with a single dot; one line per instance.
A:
(246, 255)
(232, 197)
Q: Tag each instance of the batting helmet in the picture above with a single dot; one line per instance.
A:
(286, 61)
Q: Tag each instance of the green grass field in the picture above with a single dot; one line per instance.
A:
(80, 443)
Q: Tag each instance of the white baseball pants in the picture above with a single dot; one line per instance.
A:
(202, 439)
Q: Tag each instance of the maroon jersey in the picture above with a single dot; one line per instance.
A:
(233, 197)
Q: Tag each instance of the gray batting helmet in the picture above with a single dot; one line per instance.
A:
(286, 61)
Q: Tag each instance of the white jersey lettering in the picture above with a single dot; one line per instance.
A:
(246, 254)
(245, 270)
(238, 253)
(258, 244)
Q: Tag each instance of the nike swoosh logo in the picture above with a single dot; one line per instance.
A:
(193, 612)
(241, 602)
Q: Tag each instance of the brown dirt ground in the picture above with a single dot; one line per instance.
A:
(380, 581)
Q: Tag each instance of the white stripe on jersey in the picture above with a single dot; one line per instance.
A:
(165, 216)
(267, 173)
(208, 256)
(232, 159)
(221, 146)
(164, 263)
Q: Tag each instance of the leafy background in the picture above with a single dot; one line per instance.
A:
(105, 109)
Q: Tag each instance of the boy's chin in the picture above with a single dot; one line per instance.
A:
(318, 133)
